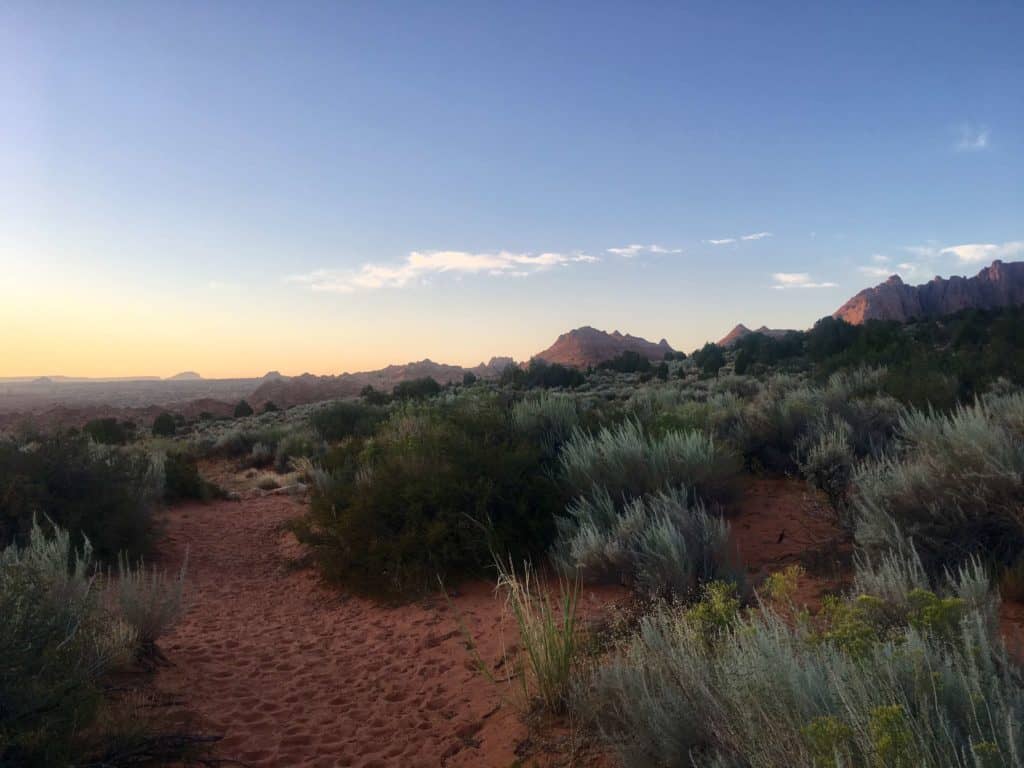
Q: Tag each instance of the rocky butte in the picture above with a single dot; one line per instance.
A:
(588, 346)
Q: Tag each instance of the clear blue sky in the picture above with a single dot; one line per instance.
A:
(233, 187)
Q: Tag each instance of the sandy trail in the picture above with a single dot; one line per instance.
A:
(293, 673)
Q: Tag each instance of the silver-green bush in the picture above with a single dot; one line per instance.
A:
(953, 483)
(661, 544)
(57, 640)
(870, 682)
(627, 462)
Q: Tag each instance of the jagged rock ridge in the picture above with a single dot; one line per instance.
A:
(588, 346)
(998, 285)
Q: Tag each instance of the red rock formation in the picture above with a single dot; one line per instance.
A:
(588, 346)
(999, 285)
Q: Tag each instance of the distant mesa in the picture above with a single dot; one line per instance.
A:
(741, 330)
(587, 346)
(185, 376)
(270, 375)
(998, 285)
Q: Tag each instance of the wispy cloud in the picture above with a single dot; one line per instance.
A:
(786, 280)
(929, 251)
(629, 251)
(975, 252)
(973, 138)
(420, 264)
(728, 240)
(879, 258)
(875, 271)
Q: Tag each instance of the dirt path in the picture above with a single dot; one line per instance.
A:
(296, 674)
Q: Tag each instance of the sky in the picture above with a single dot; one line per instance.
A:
(235, 187)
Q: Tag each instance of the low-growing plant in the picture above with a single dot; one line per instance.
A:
(828, 466)
(102, 493)
(867, 682)
(416, 389)
(108, 431)
(548, 633)
(627, 462)
(663, 544)
(952, 483)
(346, 419)
(183, 481)
(549, 418)
(149, 601)
(164, 426)
(56, 643)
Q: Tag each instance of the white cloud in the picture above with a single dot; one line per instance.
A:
(629, 251)
(929, 251)
(879, 258)
(729, 240)
(976, 252)
(973, 138)
(875, 271)
(419, 264)
(785, 280)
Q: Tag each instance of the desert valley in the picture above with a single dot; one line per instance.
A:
(511, 385)
(536, 563)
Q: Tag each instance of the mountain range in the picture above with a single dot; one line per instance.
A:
(998, 285)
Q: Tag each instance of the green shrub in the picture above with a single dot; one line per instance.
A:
(182, 480)
(107, 431)
(374, 397)
(103, 493)
(243, 409)
(344, 419)
(548, 418)
(164, 426)
(709, 358)
(238, 442)
(627, 362)
(297, 444)
(416, 389)
(435, 492)
(540, 373)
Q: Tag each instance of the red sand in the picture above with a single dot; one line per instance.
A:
(294, 673)
(779, 522)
